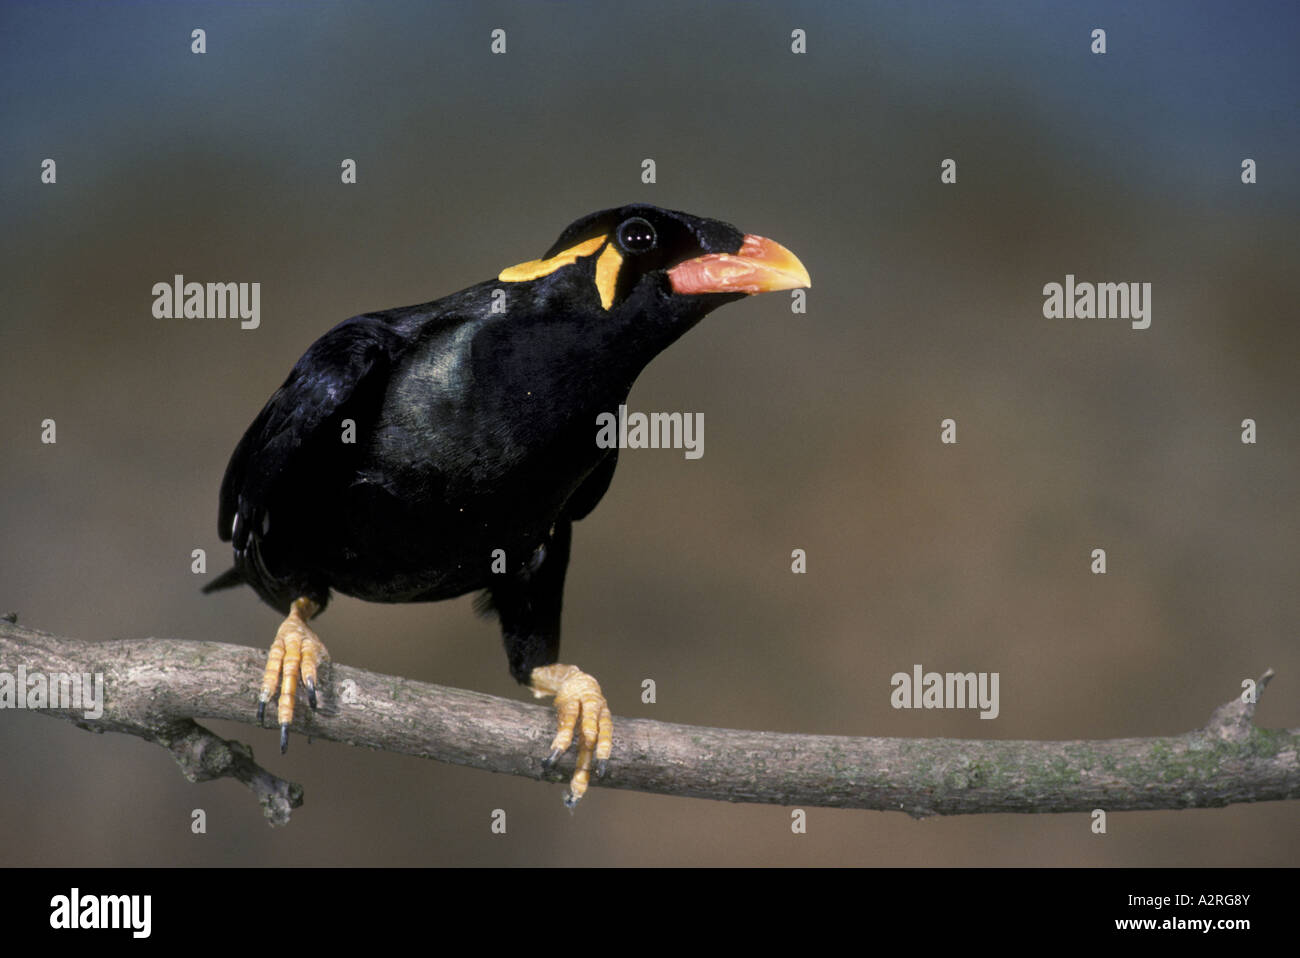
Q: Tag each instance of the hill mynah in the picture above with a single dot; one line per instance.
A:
(424, 452)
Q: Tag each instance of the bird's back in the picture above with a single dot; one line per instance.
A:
(409, 444)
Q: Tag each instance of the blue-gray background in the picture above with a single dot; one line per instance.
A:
(821, 430)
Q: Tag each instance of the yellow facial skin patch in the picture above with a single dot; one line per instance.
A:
(536, 268)
(607, 274)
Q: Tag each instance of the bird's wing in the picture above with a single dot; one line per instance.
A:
(335, 375)
(593, 488)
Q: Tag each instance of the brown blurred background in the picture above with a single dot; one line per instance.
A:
(821, 431)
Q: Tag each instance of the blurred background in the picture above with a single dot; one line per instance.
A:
(821, 430)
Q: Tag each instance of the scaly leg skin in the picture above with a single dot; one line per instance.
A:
(577, 696)
(295, 653)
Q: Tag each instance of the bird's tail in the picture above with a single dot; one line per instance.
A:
(227, 580)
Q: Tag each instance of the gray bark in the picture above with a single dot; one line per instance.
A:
(156, 688)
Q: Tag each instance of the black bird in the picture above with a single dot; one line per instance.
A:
(407, 446)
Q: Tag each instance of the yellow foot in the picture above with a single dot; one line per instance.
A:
(577, 697)
(295, 653)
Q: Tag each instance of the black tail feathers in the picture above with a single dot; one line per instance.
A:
(227, 580)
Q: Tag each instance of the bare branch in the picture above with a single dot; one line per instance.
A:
(155, 688)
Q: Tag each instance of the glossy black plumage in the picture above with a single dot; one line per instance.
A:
(474, 418)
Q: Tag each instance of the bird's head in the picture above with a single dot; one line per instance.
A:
(643, 264)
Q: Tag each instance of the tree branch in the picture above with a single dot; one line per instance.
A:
(155, 688)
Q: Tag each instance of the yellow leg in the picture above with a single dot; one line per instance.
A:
(295, 654)
(579, 706)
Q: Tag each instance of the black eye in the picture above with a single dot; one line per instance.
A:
(636, 235)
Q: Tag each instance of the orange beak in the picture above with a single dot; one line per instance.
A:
(761, 266)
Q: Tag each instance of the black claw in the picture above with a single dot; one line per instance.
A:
(284, 739)
(550, 760)
(311, 693)
(261, 713)
(569, 801)
(602, 767)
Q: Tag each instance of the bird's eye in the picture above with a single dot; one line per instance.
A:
(636, 235)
